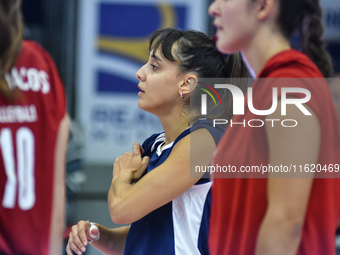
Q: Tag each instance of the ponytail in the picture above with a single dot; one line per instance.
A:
(304, 17)
(313, 46)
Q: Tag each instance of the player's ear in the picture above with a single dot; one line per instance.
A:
(188, 84)
(264, 8)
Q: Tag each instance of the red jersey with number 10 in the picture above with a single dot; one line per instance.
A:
(28, 133)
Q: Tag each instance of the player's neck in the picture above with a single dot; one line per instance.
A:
(173, 126)
(260, 50)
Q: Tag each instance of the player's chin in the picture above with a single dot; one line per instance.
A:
(142, 105)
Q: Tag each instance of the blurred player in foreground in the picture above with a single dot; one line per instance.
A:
(33, 138)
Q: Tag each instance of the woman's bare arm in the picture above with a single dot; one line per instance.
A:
(281, 229)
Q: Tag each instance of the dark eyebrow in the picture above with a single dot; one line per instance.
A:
(156, 57)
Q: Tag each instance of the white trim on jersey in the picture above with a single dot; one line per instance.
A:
(159, 138)
(159, 148)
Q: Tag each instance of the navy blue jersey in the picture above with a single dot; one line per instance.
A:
(181, 226)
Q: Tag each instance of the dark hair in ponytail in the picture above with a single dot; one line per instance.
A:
(11, 27)
(304, 17)
(197, 53)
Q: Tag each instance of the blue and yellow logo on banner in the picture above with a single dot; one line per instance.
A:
(124, 30)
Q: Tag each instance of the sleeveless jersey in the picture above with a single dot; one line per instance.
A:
(239, 204)
(181, 226)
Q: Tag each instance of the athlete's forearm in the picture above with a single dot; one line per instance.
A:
(111, 241)
(120, 189)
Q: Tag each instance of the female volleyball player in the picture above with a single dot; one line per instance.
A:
(168, 209)
(278, 215)
(33, 138)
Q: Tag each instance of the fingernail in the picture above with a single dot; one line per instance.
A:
(80, 253)
(85, 243)
(83, 249)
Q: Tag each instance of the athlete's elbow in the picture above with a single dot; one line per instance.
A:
(290, 225)
(119, 219)
(294, 228)
(119, 214)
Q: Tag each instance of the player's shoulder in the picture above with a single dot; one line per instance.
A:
(31, 50)
(32, 46)
(290, 64)
(207, 125)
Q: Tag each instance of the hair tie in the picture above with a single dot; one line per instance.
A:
(214, 39)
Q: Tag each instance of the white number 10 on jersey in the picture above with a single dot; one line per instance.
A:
(21, 180)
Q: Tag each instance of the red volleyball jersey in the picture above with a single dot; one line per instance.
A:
(239, 205)
(28, 132)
